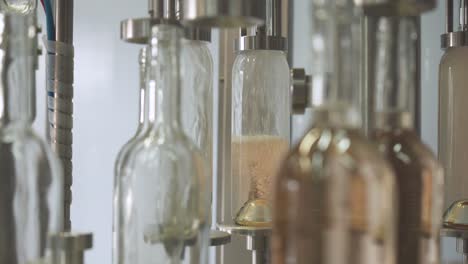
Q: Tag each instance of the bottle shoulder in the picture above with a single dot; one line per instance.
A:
(343, 151)
(455, 56)
(408, 147)
(23, 135)
(156, 152)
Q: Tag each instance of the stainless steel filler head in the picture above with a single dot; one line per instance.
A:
(222, 13)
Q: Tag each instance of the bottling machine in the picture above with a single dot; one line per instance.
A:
(247, 151)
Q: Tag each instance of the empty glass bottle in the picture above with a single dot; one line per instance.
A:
(335, 195)
(418, 173)
(162, 200)
(18, 6)
(31, 184)
(144, 118)
(197, 98)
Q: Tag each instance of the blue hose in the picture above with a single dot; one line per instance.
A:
(49, 20)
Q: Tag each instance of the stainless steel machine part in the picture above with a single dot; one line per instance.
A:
(451, 38)
(166, 9)
(258, 241)
(138, 30)
(395, 7)
(301, 90)
(260, 42)
(271, 36)
(61, 105)
(71, 247)
(222, 13)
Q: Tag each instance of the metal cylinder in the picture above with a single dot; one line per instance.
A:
(64, 24)
(164, 9)
(455, 38)
(449, 16)
(463, 15)
(277, 13)
(70, 248)
(395, 7)
(223, 13)
(271, 36)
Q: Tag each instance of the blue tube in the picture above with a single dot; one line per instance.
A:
(49, 20)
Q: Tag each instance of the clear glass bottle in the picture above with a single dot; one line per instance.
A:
(261, 110)
(453, 122)
(143, 117)
(335, 195)
(31, 185)
(162, 204)
(197, 98)
(418, 173)
(18, 6)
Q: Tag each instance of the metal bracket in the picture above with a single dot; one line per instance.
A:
(300, 89)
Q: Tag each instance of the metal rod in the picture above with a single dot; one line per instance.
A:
(166, 9)
(64, 21)
(418, 93)
(223, 157)
(449, 16)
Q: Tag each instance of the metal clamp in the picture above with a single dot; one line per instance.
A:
(300, 90)
(138, 30)
(261, 42)
(452, 38)
(70, 248)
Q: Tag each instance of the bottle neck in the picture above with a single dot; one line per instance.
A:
(396, 72)
(17, 66)
(164, 76)
(336, 51)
